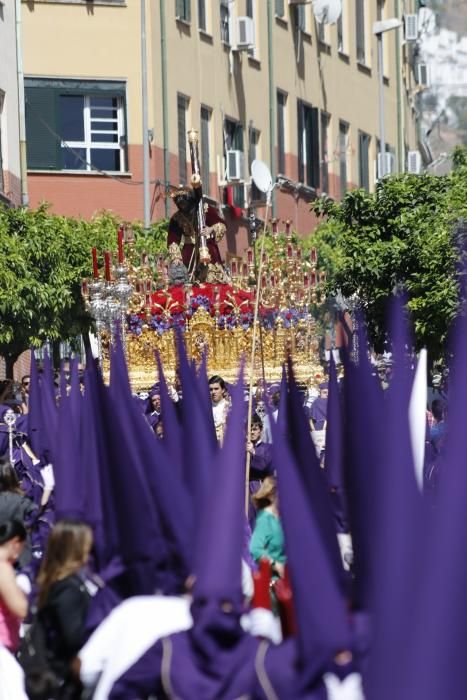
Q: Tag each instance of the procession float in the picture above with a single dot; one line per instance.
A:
(259, 305)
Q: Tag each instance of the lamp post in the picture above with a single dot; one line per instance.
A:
(378, 30)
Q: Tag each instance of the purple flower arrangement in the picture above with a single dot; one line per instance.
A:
(225, 321)
(135, 324)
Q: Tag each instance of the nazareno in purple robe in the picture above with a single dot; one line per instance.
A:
(318, 412)
(215, 658)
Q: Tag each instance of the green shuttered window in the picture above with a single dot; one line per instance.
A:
(308, 145)
(75, 125)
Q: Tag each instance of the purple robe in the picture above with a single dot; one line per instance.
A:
(318, 412)
(279, 670)
(174, 667)
(260, 468)
(261, 461)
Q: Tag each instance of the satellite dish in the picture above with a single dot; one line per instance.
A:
(327, 11)
(261, 176)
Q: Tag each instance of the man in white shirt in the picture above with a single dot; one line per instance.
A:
(220, 407)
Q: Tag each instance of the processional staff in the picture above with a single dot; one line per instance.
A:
(10, 421)
(201, 246)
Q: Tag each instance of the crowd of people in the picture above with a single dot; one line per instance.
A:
(151, 548)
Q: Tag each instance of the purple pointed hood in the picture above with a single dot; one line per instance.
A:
(75, 388)
(48, 374)
(313, 478)
(334, 452)
(93, 454)
(397, 527)
(216, 657)
(173, 435)
(69, 476)
(321, 613)
(35, 429)
(167, 500)
(219, 549)
(198, 431)
(334, 432)
(435, 642)
(364, 427)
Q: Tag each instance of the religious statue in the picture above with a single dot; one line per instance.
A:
(178, 274)
(196, 227)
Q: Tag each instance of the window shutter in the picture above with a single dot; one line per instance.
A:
(301, 164)
(205, 164)
(202, 24)
(280, 133)
(301, 17)
(43, 148)
(363, 156)
(237, 141)
(315, 150)
(280, 8)
(360, 27)
(180, 8)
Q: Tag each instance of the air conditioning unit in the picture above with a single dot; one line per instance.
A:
(411, 27)
(423, 74)
(245, 38)
(414, 162)
(388, 165)
(235, 165)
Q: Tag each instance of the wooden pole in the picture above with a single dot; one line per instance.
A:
(253, 353)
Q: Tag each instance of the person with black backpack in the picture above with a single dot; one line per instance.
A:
(57, 631)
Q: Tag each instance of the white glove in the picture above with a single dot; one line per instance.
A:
(346, 549)
(24, 583)
(262, 623)
(172, 393)
(348, 689)
(48, 478)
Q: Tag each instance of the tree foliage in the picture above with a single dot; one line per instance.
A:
(43, 260)
(400, 237)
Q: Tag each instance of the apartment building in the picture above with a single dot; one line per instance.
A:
(10, 170)
(257, 78)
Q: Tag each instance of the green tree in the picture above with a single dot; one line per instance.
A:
(401, 236)
(44, 259)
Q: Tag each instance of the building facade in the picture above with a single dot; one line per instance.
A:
(10, 170)
(257, 78)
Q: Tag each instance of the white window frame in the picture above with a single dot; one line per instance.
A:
(88, 144)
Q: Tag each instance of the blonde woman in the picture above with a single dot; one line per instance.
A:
(267, 541)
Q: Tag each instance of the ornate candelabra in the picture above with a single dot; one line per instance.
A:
(108, 299)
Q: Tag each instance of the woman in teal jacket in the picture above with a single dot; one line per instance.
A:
(267, 541)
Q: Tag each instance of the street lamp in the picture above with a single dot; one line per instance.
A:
(379, 28)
